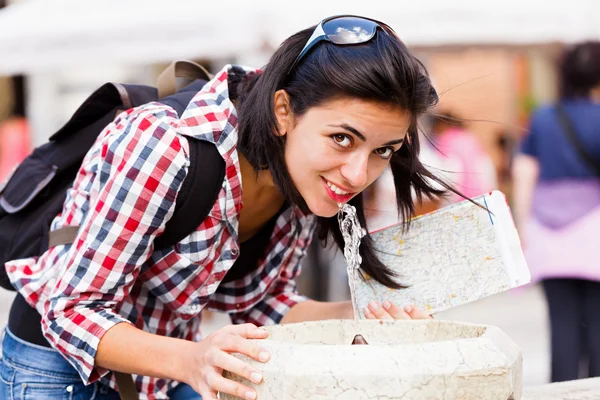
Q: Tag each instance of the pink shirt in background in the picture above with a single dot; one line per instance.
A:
(15, 144)
(469, 168)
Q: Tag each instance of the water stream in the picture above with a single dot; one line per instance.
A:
(352, 233)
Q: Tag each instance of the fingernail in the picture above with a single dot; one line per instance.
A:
(250, 395)
(264, 356)
(366, 312)
(373, 305)
(256, 377)
(387, 305)
(408, 309)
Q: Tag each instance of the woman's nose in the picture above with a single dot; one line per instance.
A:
(355, 171)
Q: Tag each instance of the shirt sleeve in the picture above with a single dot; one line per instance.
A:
(282, 295)
(142, 166)
(529, 142)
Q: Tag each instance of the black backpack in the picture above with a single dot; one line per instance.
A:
(35, 192)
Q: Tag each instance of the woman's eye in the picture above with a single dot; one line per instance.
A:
(342, 140)
(385, 152)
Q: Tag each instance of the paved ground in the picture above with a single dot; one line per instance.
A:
(582, 389)
(521, 314)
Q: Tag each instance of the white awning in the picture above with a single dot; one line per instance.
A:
(39, 35)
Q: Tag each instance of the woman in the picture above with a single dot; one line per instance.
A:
(557, 207)
(335, 105)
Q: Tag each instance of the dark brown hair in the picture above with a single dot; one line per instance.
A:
(580, 69)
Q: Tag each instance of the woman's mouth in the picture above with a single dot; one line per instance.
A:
(337, 194)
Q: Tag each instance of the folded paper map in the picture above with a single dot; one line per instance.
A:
(455, 255)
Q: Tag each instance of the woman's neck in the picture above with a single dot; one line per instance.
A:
(255, 183)
(260, 197)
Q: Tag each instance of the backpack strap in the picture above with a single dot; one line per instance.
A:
(569, 128)
(64, 235)
(126, 385)
(197, 194)
(202, 184)
(167, 80)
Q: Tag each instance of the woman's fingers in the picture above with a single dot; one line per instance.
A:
(395, 311)
(209, 394)
(248, 331)
(236, 366)
(389, 310)
(218, 359)
(416, 313)
(220, 384)
(233, 343)
(368, 314)
(375, 311)
(214, 356)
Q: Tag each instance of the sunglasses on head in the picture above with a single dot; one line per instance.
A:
(343, 30)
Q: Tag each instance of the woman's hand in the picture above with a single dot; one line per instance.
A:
(214, 355)
(389, 310)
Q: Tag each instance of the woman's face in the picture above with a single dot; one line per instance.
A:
(336, 150)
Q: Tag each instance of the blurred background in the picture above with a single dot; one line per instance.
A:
(492, 62)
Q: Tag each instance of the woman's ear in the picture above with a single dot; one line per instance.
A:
(283, 112)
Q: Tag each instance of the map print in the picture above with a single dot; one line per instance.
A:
(447, 258)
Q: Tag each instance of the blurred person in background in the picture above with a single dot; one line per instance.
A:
(15, 142)
(468, 166)
(507, 146)
(557, 209)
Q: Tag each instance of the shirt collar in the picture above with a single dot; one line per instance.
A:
(211, 115)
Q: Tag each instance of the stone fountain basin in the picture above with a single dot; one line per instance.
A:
(416, 359)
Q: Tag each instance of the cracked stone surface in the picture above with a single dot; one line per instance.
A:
(425, 359)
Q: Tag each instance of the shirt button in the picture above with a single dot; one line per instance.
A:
(234, 252)
(238, 305)
(69, 389)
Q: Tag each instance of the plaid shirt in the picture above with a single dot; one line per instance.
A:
(122, 197)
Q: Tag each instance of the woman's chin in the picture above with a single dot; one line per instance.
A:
(324, 210)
